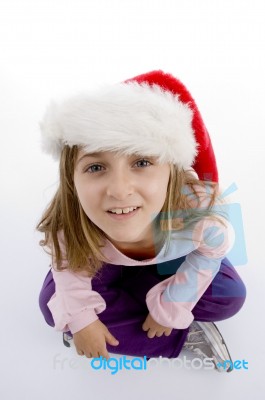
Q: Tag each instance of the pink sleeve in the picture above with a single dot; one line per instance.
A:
(74, 304)
(171, 301)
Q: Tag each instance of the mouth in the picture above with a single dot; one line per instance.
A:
(122, 210)
(120, 215)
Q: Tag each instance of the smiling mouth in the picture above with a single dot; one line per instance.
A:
(123, 211)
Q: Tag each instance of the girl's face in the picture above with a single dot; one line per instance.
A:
(106, 181)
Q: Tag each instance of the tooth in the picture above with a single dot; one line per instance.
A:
(123, 210)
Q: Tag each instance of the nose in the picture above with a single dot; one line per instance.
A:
(120, 185)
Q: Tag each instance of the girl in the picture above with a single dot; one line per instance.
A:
(137, 236)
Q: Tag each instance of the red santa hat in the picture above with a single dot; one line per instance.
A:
(152, 114)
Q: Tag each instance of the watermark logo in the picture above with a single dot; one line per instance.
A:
(116, 364)
(212, 236)
(237, 365)
(217, 233)
(113, 364)
(184, 362)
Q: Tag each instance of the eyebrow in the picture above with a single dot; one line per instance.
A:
(95, 155)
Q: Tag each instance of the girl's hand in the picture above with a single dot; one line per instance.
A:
(154, 328)
(91, 340)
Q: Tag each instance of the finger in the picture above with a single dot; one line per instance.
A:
(159, 334)
(110, 339)
(105, 354)
(80, 352)
(151, 333)
(168, 333)
(145, 326)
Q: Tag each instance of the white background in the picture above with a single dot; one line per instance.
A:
(54, 47)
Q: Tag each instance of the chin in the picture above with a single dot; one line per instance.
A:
(123, 238)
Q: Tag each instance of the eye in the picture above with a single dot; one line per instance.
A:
(143, 163)
(93, 168)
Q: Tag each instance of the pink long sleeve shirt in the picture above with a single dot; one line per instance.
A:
(75, 305)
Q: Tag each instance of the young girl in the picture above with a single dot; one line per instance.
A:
(137, 236)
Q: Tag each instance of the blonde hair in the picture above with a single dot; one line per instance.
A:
(83, 239)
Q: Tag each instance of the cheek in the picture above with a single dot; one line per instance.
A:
(156, 192)
(89, 197)
(83, 193)
(158, 186)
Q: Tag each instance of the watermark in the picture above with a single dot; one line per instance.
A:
(180, 363)
(113, 364)
(238, 364)
(216, 233)
(116, 364)
(211, 235)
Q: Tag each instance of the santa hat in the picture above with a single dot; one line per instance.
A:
(152, 114)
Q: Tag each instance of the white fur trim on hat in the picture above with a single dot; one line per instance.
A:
(129, 118)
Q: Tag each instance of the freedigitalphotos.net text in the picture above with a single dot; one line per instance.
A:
(116, 364)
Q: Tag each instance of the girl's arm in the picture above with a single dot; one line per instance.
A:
(171, 301)
(74, 304)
